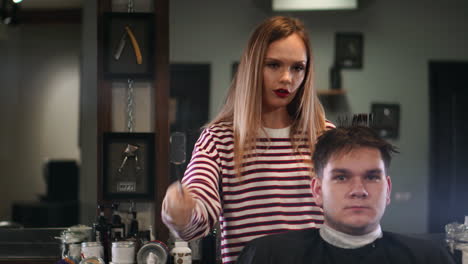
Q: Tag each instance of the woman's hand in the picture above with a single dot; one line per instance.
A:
(178, 205)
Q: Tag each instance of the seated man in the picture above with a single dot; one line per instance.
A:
(353, 188)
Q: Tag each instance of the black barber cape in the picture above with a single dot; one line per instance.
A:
(307, 246)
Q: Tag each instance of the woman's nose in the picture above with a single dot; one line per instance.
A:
(286, 76)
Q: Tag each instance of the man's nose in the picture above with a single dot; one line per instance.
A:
(358, 189)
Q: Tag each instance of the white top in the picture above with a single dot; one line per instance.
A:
(343, 240)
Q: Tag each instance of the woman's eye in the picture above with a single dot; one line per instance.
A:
(299, 68)
(272, 65)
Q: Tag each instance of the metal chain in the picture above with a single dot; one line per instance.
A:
(130, 6)
(130, 95)
(130, 106)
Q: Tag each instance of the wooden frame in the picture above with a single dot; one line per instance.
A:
(128, 168)
(349, 50)
(126, 66)
(386, 119)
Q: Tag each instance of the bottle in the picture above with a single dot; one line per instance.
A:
(101, 230)
(100, 226)
(209, 248)
(123, 252)
(92, 249)
(151, 233)
(74, 252)
(464, 247)
(181, 253)
(151, 259)
(133, 229)
(117, 227)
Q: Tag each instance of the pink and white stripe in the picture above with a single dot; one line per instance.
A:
(272, 196)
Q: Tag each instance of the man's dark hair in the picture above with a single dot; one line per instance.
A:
(344, 139)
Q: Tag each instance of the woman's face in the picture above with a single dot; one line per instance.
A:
(283, 72)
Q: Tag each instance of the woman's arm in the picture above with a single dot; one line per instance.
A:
(193, 210)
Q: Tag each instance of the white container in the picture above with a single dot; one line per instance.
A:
(181, 253)
(74, 252)
(92, 249)
(465, 249)
(195, 246)
(123, 252)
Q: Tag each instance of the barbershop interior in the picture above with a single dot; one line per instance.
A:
(102, 103)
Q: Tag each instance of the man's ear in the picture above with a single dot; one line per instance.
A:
(316, 187)
(389, 189)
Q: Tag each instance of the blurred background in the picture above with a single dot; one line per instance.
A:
(48, 82)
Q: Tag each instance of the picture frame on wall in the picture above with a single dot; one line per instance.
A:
(128, 46)
(349, 50)
(128, 166)
(386, 119)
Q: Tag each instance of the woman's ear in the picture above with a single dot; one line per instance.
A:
(316, 187)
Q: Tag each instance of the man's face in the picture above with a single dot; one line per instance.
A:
(353, 191)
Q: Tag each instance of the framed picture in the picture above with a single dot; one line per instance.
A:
(349, 50)
(128, 45)
(128, 166)
(386, 119)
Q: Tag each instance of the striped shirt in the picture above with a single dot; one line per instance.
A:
(272, 196)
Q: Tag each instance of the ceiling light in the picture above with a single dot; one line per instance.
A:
(305, 5)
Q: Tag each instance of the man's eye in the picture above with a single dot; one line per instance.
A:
(373, 177)
(340, 177)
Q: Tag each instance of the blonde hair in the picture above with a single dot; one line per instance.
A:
(243, 105)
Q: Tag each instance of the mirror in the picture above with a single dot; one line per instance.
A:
(39, 102)
(397, 49)
(399, 41)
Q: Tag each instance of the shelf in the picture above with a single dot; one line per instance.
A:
(331, 92)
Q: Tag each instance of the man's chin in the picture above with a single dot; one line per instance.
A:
(355, 224)
(358, 228)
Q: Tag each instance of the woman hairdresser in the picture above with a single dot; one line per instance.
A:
(250, 168)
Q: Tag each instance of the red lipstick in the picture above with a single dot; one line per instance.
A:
(281, 93)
